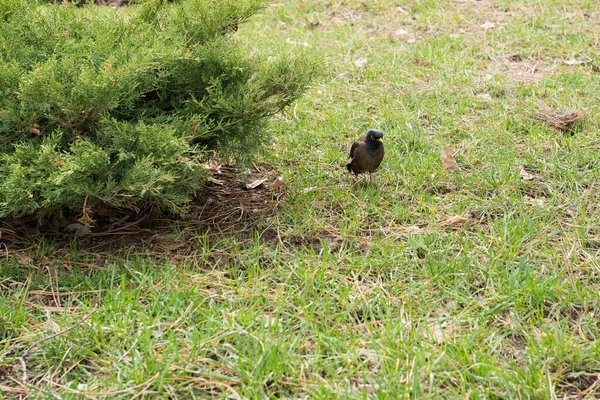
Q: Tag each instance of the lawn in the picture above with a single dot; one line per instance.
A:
(423, 283)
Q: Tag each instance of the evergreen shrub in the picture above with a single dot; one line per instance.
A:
(122, 107)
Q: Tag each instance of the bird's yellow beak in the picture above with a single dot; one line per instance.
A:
(380, 140)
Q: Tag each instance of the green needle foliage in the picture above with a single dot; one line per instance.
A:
(121, 108)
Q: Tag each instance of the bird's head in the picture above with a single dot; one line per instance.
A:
(375, 135)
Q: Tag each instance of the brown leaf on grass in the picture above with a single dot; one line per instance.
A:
(488, 25)
(452, 221)
(35, 129)
(413, 229)
(398, 35)
(297, 43)
(558, 119)
(525, 175)
(313, 25)
(573, 62)
(361, 384)
(448, 161)
(424, 63)
(278, 184)
(485, 96)
(533, 201)
(440, 332)
(339, 21)
(213, 166)
(361, 62)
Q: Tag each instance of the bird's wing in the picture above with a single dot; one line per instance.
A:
(354, 146)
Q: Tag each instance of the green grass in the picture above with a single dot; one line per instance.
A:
(364, 293)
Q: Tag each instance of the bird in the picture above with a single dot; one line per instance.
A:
(366, 153)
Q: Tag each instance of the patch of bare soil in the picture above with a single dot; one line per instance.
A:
(485, 14)
(228, 205)
(519, 69)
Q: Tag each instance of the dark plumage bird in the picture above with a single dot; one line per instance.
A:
(366, 153)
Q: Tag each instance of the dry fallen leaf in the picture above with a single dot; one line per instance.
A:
(313, 25)
(213, 166)
(573, 62)
(525, 175)
(457, 219)
(278, 184)
(413, 229)
(256, 183)
(35, 129)
(393, 37)
(338, 21)
(398, 34)
(360, 62)
(79, 229)
(437, 333)
(297, 43)
(448, 161)
(535, 202)
(488, 25)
